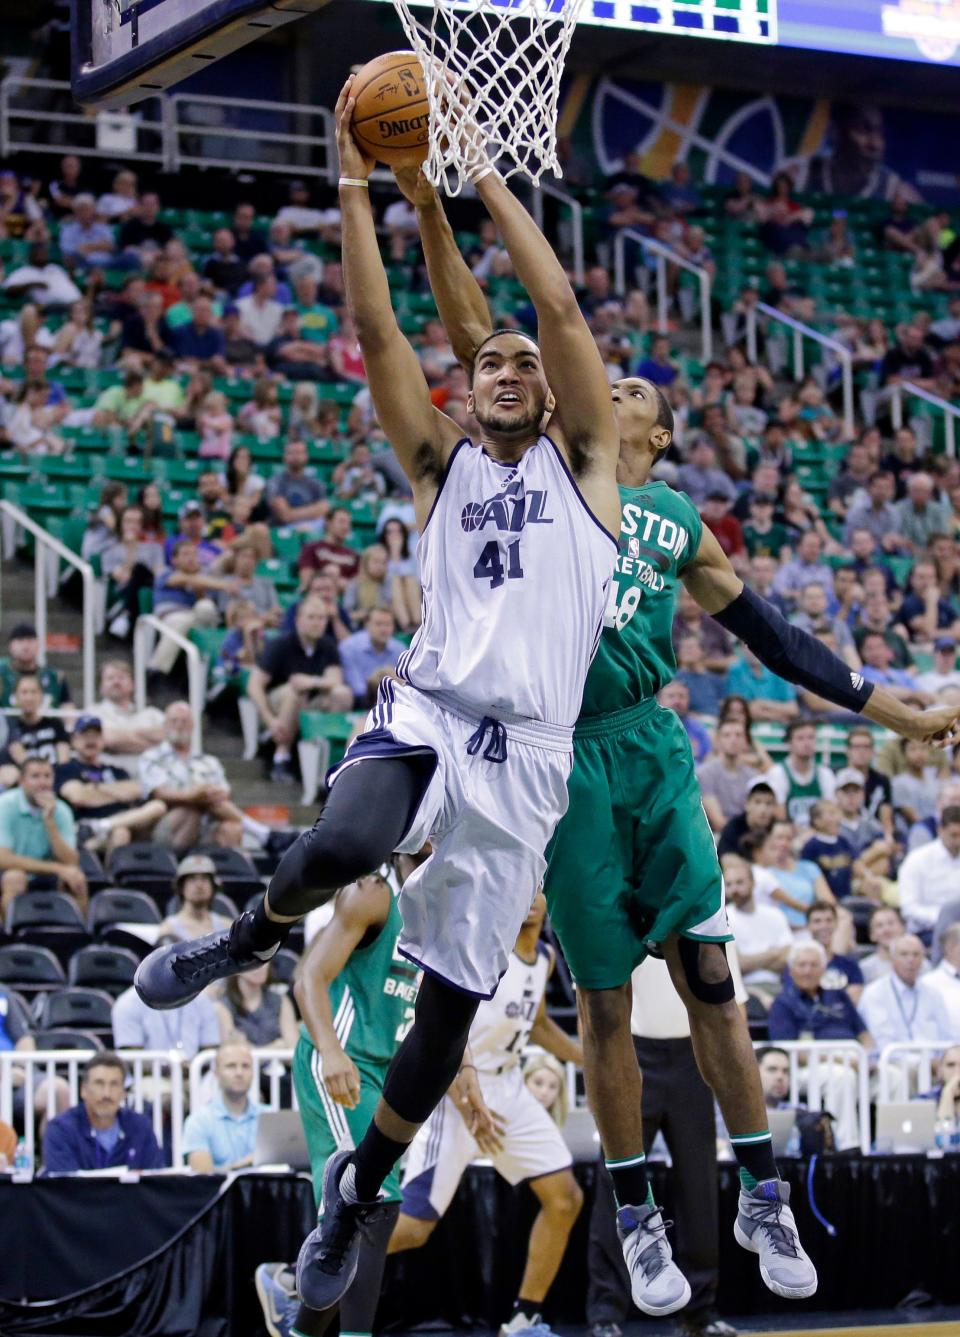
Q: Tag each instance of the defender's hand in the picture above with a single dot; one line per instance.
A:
(353, 161)
(485, 1124)
(939, 725)
(415, 187)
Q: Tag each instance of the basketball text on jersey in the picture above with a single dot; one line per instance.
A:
(651, 541)
(509, 511)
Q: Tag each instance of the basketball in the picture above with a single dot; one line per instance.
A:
(391, 118)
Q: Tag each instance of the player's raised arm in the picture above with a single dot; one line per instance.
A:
(571, 359)
(421, 435)
(459, 297)
(799, 657)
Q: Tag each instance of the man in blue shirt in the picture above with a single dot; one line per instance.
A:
(706, 689)
(877, 668)
(804, 1010)
(842, 972)
(199, 341)
(100, 1132)
(367, 652)
(220, 1136)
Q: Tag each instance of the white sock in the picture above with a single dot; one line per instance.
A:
(281, 754)
(259, 830)
(347, 1185)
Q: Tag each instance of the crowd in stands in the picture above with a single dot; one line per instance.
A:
(205, 373)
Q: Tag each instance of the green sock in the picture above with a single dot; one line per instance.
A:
(754, 1153)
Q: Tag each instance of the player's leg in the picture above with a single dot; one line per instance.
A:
(561, 1200)
(370, 809)
(725, 1057)
(439, 1155)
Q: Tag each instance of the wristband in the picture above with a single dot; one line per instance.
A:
(353, 181)
(475, 174)
(468, 1065)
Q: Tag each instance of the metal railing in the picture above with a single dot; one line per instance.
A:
(576, 220)
(801, 332)
(48, 549)
(147, 630)
(156, 1081)
(899, 1060)
(911, 391)
(218, 143)
(97, 135)
(820, 1069)
(665, 255)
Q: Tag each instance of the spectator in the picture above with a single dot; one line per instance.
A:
(30, 733)
(908, 360)
(131, 565)
(295, 497)
(884, 928)
(798, 881)
(674, 696)
(916, 787)
(770, 697)
(181, 600)
(762, 934)
(142, 230)
(842, 972)
(919, 516)
(38, 839)
(199, 341)
(103, 795)
(690, 620)
(220, 1136)
(807, 568)
(757, 818)
(862, 832)
(679, 192)
(318, 321)
(725, 777)
(185, 1030)
(945, 979)
(829, 849)
(658, 367)
(705, 688)
(700, 477)
(193, 786)
(100, 1131)
(806, 1009)
(404, 575)
(784, 222)
(79, 343)
(260, 591)
(67, 186)
(930, 876)
(248, 240)
(260, 312)
(798, 781)
(851, 482)
(121, 201)
(762, 535)
(126, 730)
(85, 241)
(298, 672)
(944, 676)
(925, 612)
(368, 653)
(346, 359)
(23, 656)
(42, 282)
(901, 1006)
(240, 480)
(878, 668)
(223, 267)
(357, 478)
(292, 356)
(371, 587)
(774, 1065)
(323, 584)
(812, 611)
(196, 885)
(876, 514)
(332, 550)
(254, 1013)
(724, 526)
(875, 615)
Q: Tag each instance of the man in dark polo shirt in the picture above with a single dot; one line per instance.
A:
(105, 797)
(200, 341)
(300, 671)
(31, 733)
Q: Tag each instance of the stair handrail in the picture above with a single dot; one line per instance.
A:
(147, 623)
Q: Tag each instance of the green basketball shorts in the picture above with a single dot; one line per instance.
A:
(329, 1127)
(633, 859)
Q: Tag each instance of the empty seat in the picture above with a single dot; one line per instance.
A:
(147, 867)
(120, 905)
(102, 967)
(63, 942)
(29, 968)
(235, 871)
(77, 1009)
(93, 871)
(50, 909)
(18, 1009)
(68, 1040)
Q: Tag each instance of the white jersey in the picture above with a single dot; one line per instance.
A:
(503, 1023)
(515, 571)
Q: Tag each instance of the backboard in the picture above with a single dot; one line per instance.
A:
(125, 50)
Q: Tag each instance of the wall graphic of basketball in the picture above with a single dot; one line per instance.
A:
(391, 118)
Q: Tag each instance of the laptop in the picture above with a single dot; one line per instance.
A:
(580, 1134)
(782, 1124)
(280, 1140)
(908, 1125)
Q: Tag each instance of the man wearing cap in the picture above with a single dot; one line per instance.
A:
(104, 796)
(944, 675)
(192, 521)
(181, 597)
(23, 656)
(196, 884)
(864, 833)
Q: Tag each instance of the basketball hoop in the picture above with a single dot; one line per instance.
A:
(493, 71)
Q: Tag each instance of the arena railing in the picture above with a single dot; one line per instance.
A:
(665, 255)
(906, 1059)
(800, 332)
(49, 553)
(146, 632)
(155, 1088)
(216, 143)
(137, 136)
(908, 390)
(576, 221)
(819, 1068)
(274, 1064)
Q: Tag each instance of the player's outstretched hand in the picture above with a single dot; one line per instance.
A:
(342, 1079)
(415, 186)
(939, 725)
(353, 162)
(485, 1124)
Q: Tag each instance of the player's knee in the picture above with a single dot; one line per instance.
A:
(410, 1232)
(604, 1013)
(707, 972)
(561, 1195)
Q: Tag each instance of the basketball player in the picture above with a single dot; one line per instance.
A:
(473, 746)
(524, 1143)
(647, 879)
(356, 996)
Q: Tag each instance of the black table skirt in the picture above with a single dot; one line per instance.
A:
(174, 1256)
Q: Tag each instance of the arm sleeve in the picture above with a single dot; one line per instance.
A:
(792, 653)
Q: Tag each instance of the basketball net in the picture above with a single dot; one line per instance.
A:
(493, 83)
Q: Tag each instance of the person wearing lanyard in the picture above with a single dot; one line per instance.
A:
(901, 1007)
(100, 1132)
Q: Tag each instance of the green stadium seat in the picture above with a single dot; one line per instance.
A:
(178, 471)
(279, 571)
(208, 640)
(287, 544)
(131, 469)
(63, 468)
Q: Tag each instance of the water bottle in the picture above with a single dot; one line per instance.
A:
(948, 1135)
(21, 1159)
(793, 1142)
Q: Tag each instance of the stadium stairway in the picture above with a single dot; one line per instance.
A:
(221, 733)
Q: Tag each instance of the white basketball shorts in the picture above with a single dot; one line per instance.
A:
(533, 1146)
(496, 794)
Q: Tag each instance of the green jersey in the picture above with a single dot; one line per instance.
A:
(51, 684)
(373, 997)
(659, 533)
